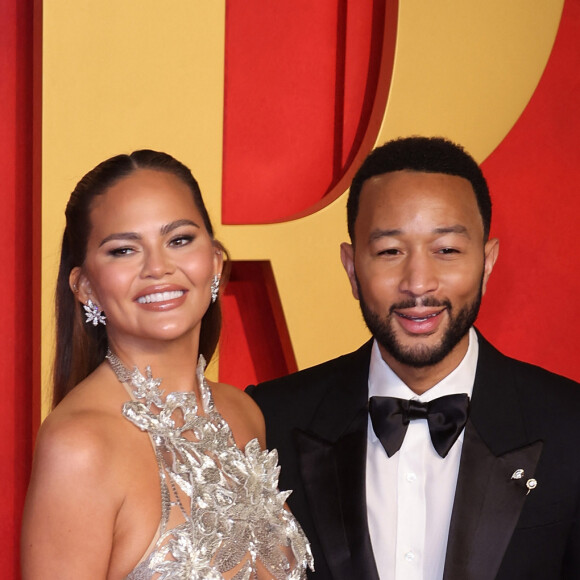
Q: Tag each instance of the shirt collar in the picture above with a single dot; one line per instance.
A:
(384, 382)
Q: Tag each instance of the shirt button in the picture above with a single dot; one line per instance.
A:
(411, 477)
(409, 556)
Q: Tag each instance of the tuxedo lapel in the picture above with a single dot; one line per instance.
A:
(488, 501)
(332, 459)
(487, 506)
(333, 476)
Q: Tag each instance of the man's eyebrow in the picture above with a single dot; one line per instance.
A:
(378, 234)
(177, 224)
(456, 229)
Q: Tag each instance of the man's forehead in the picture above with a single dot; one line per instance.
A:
(407, 194)
(398, 187)
(414, 178)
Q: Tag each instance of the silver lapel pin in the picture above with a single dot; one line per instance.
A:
(518, 474)
(531, 484)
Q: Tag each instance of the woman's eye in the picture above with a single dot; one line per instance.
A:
(121, 251)
(182, 240)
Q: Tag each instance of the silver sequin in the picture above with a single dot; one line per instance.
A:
(229, 511)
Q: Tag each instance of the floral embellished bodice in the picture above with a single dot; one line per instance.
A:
(222, 514)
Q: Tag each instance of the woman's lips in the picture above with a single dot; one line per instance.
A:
(160, 299)
(160, 296)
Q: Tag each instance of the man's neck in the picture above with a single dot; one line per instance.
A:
(420, 380)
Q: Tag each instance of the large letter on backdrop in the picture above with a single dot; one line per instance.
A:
(306, 88)
(305, 94)
(305, 100)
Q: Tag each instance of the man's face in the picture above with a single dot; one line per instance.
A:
(419, 265)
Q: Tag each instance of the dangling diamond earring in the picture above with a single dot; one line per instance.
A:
(94, 314)
(215, 287)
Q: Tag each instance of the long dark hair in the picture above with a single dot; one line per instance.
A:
(81, 347)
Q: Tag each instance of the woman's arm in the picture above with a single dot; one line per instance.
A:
(72, 501)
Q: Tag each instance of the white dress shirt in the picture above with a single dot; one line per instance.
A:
(410, 495)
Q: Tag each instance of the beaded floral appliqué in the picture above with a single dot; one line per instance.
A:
(230, 515)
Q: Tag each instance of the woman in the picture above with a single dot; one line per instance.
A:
(134, 413)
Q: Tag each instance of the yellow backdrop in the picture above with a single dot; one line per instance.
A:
(124, 75)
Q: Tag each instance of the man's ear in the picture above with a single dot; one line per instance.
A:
(491, 252)
(80, 285)
(347, 259)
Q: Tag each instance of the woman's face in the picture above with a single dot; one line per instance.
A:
(150, 260)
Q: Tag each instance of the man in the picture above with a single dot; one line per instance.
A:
(427, 454)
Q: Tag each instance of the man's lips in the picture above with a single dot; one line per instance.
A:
(419, 315)
(419, 320)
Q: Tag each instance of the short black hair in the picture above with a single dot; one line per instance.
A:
(424, 154)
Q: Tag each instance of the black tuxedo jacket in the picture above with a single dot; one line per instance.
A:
(522, 417)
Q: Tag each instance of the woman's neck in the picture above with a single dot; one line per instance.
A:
(175, 362)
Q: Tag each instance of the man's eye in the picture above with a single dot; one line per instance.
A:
(448, 251)
(389, 252)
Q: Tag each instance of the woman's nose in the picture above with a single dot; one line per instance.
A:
(157, 264)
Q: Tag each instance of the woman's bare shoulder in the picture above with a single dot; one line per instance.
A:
(74, 440)
(85, 422)
(75, 492)
(77, 441)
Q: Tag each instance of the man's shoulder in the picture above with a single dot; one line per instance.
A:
(316, 378)
(547, 386)
(529, 377)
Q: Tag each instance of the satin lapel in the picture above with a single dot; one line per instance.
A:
(332, 459)
(488, 502)
(487, 506)
(333, 477)
(350, 454)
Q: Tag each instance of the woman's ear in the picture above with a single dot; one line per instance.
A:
(79, 284)
(218, 259)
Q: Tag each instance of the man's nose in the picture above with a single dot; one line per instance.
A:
(419, 275)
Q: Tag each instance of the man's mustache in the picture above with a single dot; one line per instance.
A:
(428, 301)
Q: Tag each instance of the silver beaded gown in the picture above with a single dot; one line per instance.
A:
(222, 514)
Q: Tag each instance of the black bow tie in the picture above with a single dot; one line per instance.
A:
(446, 417)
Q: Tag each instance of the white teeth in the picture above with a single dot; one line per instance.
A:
(419, 319)
(160, 297)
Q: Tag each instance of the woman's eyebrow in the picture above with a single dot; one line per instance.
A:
(121, 236)
(177, 224)
(133, 236)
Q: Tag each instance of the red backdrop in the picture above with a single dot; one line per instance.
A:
(17, 349)
(284, 101)
(530, 309)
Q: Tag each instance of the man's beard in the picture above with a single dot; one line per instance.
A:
(421, 355)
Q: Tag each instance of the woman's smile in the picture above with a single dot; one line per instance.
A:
(149, 253)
